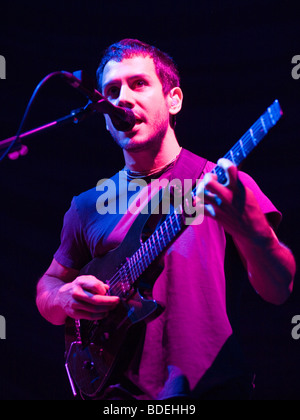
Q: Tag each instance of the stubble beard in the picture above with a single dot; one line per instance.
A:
(152, 142)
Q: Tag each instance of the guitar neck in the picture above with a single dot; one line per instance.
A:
(174, 224)
(251, 138)
(121, 284)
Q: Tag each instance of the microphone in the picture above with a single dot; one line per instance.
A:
(123, 119)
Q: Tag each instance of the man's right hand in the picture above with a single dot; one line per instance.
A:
(62, 293)
(85, 298)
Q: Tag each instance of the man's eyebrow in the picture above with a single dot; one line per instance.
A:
(140, 75)
(130, 78)
(111, 82)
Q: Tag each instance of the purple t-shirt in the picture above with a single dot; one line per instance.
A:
(184, 342)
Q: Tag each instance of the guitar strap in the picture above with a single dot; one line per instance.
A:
(188, 166)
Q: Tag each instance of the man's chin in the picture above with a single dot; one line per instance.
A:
(135, 140)
(133, 144)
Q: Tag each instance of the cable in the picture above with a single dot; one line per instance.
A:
(32, 99)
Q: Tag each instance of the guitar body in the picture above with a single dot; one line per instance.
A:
(95, 350)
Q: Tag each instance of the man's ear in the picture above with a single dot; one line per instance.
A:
(107, 120)
(175, 98)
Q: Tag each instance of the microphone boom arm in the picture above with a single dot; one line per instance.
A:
(75, 117)
(123, 119)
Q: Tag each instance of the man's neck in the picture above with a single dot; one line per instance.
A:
(150, 158)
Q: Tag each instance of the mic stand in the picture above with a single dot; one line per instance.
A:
(75, 117)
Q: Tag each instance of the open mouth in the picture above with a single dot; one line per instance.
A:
(138, 120)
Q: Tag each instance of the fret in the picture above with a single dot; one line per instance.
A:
(133, 258)
(158, 240)
(152, 247)
(128, 270)
(242, 148)
(167, 231)
(157, 243)
(133, 268)
(165, 239)
(252, 136)
(137, 269)
(146, 253)
(176, 219)
(232, 156)
(271, 116)
(140, 255)
(138, 263)
(142, 265)
(220, 173)
(162, 235)
(263, 124)
(172, 225)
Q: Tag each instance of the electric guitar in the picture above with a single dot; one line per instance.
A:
(95, 350)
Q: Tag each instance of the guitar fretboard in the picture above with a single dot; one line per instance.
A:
(121, 283)
(251, 138)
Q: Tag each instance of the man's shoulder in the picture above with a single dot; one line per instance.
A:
(193, 162)
(209, 166)
(88, 197)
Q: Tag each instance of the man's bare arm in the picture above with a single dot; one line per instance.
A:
(270, 264)
(61, 293)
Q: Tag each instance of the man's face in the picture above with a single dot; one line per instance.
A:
(133, 83)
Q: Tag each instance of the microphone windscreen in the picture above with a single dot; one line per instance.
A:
(124, 123)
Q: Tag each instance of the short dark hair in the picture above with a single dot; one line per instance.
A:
(165, 67)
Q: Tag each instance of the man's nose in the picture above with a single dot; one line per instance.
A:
(125, 98)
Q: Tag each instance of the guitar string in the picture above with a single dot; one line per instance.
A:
(247, 138)
(149, 252)
(135, 270)
(268, 125)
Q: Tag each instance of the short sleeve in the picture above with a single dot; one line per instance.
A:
(273, 215)
(73, 251)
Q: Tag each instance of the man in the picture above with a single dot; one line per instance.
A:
(188, 350)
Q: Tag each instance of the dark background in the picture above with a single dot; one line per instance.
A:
(235, 59)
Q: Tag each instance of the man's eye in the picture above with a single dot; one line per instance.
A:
(113, 92)
(139, 83)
